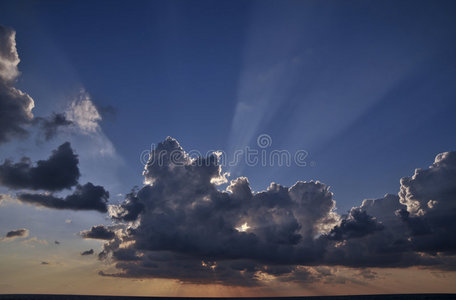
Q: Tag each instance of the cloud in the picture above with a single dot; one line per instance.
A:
(129, 209)
(429, 196)
(417, 226)
(367, 274)
(99, 232)
(384, 209)
(358, 224)
(87, 252)
(85, 197)
(18, 233)
(31, 242)
(59, 171)
(83, 113)
(6, 199)
(180, 226)
(430, 188)
(50, 125)
(184, 226)
(15, 105)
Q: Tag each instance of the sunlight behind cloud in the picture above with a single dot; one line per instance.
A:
(243, 228)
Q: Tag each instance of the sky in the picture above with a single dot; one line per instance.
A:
(227, 148)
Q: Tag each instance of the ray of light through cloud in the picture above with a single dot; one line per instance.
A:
(109, 112)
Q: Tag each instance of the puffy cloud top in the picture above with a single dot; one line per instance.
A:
(180, 226)
(430, 198)
(431, 187)
(59, 171)
(9, 59)
(15, 105)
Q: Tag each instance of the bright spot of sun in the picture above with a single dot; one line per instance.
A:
(243, 227)
(209, 265)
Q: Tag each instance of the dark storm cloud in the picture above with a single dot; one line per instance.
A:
(184, 212)
(50, 125)
(15, 105)
(418, 226)
(180, 226)
(85, 197)
(99, 232)
(358, 224)
(391, 245)
(22, 232)
(130, 209)
(87, 252)
(188, 229)
(59, 171)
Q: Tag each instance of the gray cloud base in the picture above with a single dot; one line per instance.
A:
(98, 232)
(85, 197)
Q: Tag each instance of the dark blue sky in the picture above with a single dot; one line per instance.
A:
(366, 87)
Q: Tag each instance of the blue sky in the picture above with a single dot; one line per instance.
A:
(365, 87)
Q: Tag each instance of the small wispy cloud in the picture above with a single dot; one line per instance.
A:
(33, 241)
(6, 198)
(83, 113)
(15, 234)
